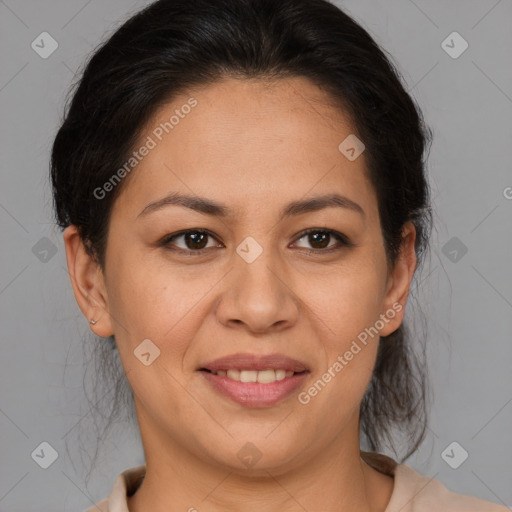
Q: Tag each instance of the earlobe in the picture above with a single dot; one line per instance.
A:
(400, 280)
(88, 283)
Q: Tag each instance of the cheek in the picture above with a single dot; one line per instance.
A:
(151, 300)
(348, 300)
(347, 309)
(148, 302)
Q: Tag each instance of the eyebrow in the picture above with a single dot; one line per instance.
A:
(209, 207)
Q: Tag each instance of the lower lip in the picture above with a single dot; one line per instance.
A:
(255, 394)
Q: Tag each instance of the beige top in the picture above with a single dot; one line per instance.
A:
(412, 492)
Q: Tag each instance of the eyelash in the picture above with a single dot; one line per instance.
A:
(342, 239)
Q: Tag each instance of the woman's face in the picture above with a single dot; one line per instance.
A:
(260, 287)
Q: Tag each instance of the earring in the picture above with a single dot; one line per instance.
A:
(93, 321)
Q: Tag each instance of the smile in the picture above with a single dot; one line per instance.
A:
(252, 388)
(263, 376)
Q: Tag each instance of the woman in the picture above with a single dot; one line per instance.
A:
(243, 193)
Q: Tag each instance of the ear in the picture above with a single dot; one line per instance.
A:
(88, 283)
(399, 281)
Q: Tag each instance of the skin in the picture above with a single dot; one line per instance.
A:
(254, 147)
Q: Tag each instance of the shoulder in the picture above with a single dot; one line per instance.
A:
(416, 493)
(125, 485)
(413, 492)
(102, 506)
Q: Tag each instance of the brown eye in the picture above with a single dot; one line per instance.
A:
(319, 240)
(194, 241)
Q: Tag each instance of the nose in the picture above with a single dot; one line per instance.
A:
(258, 296)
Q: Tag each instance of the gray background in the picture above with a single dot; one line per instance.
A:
(467, 300)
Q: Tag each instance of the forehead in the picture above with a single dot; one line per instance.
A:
(248, 141)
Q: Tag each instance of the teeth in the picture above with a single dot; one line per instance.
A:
(248, 376)
(233, 374)
(263, 376)
(266, 376)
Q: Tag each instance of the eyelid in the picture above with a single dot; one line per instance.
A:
(343, 240)
(342, 237)
(166, 240)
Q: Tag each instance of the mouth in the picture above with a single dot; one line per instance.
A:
(255, 381)
(262, 376)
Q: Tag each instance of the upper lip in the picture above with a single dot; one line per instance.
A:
(255, 362)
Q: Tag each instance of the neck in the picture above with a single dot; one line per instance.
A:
(336, 479)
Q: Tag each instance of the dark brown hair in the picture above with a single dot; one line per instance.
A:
(172, 45)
